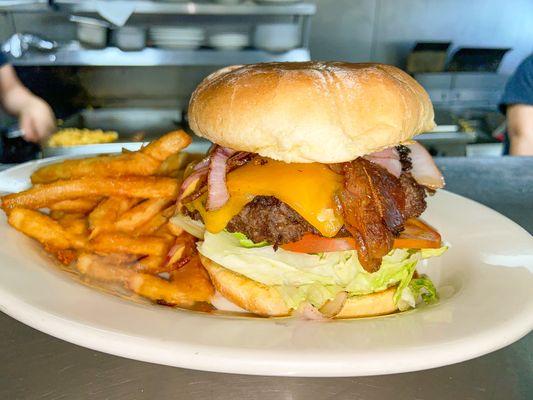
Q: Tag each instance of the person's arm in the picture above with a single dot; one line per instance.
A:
(520, 128)
(36, 118)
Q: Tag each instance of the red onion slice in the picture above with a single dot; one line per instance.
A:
(191, 179)
(172, 252)
(217, 191)
(227, 151)
(306, 311)
(202, 164)
(423, 168)
(388, 159)
(389, 152)
(215, 166)
(333, 307)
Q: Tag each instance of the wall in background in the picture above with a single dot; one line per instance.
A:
(386, 30)
(352, 30)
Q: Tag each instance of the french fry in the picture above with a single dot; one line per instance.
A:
(107, 212)
(167, 145)
(110, 214)
(151, 265)
(152, 225)
(96, 267)
(57, 215)
(149, 286)
(164, 232)
(120, 258)
(40, 227)
(117, 242)
(81, 205)
(75, 224)
(173, 166)
(159, 290)
(140, 214)
(132, 186)
(193, 280)
(64, 256)
(134, 163)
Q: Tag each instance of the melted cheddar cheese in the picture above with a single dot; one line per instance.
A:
(308, 188)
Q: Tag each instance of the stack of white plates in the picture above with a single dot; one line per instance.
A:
(269, 2)
(229, 41)
(228, 2)
(277, 37)
(177, 38)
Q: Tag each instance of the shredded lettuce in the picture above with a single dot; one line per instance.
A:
(422, 286)
(245, 242)
(316, 278)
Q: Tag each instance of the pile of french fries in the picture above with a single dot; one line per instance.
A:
(109, 216)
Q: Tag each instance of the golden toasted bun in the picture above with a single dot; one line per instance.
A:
(264, 300)
(324, 112)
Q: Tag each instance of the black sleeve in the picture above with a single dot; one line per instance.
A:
(3, 58)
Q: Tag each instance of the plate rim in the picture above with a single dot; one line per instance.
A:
(203, 358)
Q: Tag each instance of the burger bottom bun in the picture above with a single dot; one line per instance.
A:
(266, 301)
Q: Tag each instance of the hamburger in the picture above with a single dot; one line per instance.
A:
(309, 200)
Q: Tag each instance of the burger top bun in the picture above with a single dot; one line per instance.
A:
(323, 112)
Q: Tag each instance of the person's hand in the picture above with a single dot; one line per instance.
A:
(37, 120)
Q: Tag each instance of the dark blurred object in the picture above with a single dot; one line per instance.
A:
(14, 149)
(428, 57)
(20, 43)
(475, 59)
(58, 86)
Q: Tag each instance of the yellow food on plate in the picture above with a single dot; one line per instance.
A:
(76, 137)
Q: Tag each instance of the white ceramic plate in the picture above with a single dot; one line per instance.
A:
(485, 281)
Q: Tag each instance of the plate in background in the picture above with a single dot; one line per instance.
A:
(485, 281)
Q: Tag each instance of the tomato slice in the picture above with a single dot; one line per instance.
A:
(417, 235)
(310, 243)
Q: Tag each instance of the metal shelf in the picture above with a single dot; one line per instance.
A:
(191, 8)
(156, 7)
(112, 56)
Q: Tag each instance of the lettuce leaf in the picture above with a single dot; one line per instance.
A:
(245, 242)
(316, 278)
(422, 286)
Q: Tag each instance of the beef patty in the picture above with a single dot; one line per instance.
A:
(415, 196)
(268, 219)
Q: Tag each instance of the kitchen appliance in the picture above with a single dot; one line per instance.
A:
(428, 57)
(477, 59)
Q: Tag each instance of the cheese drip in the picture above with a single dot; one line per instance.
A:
(307, 188)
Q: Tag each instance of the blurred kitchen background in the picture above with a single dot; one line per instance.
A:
(137, 79)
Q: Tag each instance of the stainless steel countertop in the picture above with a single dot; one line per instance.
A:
(37, 366)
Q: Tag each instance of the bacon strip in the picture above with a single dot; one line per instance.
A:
(373, 202)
